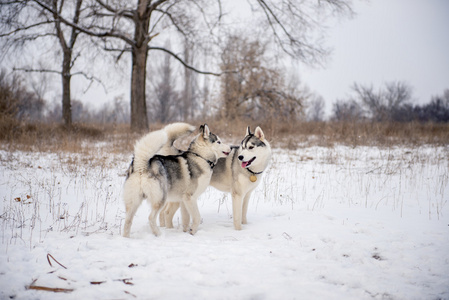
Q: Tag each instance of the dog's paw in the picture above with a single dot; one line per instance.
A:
(156, 232)
(126, 233)
(238, 226)
(192, 231)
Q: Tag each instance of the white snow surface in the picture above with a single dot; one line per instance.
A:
(325, 223)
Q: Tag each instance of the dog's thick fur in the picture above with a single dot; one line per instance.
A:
(232, 174)
(177, 178)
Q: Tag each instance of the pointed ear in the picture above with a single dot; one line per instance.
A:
(259, 134)
(205, 131)
(248, 131)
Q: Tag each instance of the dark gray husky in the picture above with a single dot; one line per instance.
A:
(174, 178)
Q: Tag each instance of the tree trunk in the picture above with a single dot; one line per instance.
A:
(139, 119)
(66, 77)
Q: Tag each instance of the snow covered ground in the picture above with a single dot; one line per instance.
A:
(325, 223)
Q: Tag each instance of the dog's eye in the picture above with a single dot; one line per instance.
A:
(218, 142)
(251, 147)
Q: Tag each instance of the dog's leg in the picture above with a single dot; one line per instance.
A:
(156, 196)
(132, 199)
(130, 212)
(192, 207)
(169, 212)
(185, 218)
(162, 215)
(155, 208)
(237, 210)
(245, 207)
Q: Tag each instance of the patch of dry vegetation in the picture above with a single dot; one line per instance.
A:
(58, 138)
(293, 135)
(84, 138)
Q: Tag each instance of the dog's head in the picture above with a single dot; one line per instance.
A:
(254, 149)
(212, 141)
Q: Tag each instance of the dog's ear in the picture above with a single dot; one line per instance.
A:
(248, 131)
(205, 131)
(259, 134)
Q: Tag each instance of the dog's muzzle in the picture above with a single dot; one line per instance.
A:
(246, 164)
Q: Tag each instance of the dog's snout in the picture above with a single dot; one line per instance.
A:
(240, 157)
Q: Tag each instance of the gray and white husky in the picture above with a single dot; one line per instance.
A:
(174, 178)
(239, 173)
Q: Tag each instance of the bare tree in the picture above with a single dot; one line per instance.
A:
(144, 19)
(67, 46)
(346, 111)
(381, 105)
(254, 88)
(17, 100)
(315, 110)
(24, 21)
(437, 110)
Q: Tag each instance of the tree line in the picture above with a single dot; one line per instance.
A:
(252, 98)
(390, 103)
(186, 62)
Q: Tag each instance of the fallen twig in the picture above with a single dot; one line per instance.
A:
(51, 256)
(48, 289)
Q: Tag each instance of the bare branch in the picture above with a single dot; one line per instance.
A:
(110, 33)
(172, 19)
(26, 28)
(37, 71)
(76, 18)
(91, 79)
(184, 63)
(289, 25)
(273, 21)
(121, 51)
(128, 13)
(154, 5)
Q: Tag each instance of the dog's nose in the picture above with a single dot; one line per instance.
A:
(240, 157)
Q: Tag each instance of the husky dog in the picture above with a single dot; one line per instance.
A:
(239, 173)
(174, 178)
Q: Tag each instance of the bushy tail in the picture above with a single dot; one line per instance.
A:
(151, 144)
(175, 131)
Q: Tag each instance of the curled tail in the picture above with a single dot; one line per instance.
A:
(175, 131)
(152, 144)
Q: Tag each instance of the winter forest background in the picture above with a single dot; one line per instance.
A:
(201, 63)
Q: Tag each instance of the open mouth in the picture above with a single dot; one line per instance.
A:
(226, 153)
(245, 164)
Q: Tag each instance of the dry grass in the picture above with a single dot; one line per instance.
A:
(82, 138)
(58, 138)
(292, 135)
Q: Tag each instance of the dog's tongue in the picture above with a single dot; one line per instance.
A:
(244, 164)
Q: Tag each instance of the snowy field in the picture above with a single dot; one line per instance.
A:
(325, 223)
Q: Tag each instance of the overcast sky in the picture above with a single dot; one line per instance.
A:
(387, 40)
